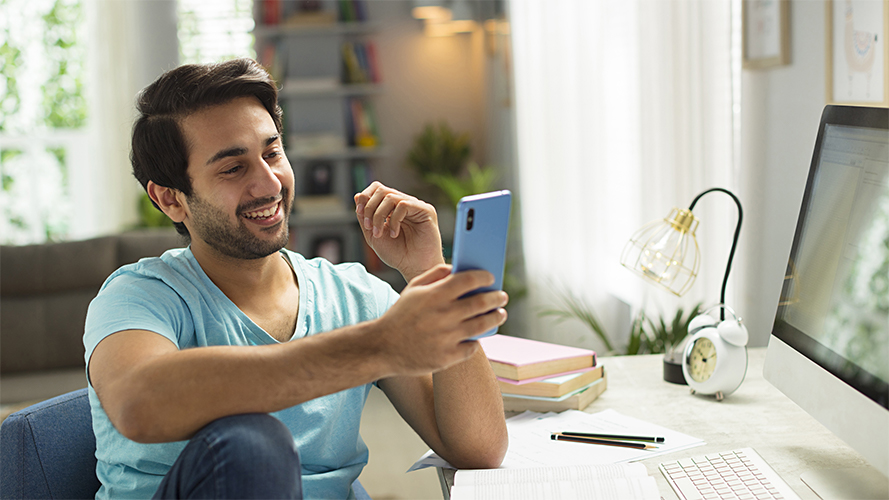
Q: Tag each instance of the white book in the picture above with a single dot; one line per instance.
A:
(568, 482)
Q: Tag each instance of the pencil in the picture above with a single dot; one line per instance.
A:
(646, 439)
(605, 442)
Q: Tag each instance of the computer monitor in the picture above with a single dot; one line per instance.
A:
(829, 348)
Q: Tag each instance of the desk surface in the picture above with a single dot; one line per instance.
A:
(757, 415)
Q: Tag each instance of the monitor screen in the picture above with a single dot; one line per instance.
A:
(829, 350)
(835, 302)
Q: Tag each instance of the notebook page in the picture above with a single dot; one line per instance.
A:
(625, 481)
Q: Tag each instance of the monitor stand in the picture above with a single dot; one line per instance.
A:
(859, 482)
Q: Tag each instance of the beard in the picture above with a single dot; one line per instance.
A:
(214, 227)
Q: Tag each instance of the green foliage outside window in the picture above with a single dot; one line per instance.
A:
(42, 91)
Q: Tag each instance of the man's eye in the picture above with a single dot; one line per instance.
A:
(232, 170)
(273, 154)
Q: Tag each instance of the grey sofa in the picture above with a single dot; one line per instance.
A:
(45, 291)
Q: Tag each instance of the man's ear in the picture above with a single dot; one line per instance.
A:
(169, 200)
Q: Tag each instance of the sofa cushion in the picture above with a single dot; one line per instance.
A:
(45, 291)
(56, 267)
(44, 331)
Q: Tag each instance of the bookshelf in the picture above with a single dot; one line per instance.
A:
(323, 56)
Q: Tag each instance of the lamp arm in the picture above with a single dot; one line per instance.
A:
(731, 255)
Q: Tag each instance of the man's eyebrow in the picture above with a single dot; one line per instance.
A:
(237, 151)
(226, 153)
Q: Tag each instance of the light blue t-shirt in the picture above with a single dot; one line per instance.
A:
(172, 296)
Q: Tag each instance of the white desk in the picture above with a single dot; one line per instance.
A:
(757, 415)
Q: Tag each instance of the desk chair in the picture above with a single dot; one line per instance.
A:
(48, 450)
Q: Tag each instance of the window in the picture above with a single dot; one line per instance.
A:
(211, 31)
(43, 115)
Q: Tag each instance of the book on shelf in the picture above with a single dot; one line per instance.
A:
(271, 58)
(577, 400)
(362, 175)
(352, 11)
(362, 126)
(271, 11)
(551, 386)
(352, 70)
(371, 50)
(359, 63)
(518, 358)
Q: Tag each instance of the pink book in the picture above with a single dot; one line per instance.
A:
(519, 359)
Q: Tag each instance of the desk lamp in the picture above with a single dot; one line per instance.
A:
(666, 253)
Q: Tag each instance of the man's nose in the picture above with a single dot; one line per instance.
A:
(265, 182)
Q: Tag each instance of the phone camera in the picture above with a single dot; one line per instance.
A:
(470, 217)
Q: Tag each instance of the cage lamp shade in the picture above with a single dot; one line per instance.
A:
(666, 251)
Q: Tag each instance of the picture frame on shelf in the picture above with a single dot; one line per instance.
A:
(330, 248)
(319, 178)
(766, 33)
(857, 66)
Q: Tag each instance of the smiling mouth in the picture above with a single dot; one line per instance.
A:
(262, 214)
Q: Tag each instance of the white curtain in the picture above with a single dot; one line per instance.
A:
(624, 109)
(102, 186)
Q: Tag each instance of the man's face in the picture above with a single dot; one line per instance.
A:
(242, 183)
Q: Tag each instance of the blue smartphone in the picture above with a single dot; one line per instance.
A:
(480, 238)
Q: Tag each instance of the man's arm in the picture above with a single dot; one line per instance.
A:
(153, 392)
(457, 411)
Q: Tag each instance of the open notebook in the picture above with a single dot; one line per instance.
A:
(624, 481)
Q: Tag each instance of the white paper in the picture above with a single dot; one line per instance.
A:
(624, 481)
(530, 444)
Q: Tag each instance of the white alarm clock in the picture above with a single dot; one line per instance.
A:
(715, 357)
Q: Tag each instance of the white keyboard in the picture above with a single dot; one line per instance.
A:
(738, 474)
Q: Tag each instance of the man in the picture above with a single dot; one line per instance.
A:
(236, 368)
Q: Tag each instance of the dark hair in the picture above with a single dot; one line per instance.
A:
(159, 149)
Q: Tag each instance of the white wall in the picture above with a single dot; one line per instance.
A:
(780, 110)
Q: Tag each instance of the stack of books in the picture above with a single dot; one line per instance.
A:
(540, 376)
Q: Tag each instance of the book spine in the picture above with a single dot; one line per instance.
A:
(372, 61)
(271, 12)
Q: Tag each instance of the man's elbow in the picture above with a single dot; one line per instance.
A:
(489, 456)
(134, 419)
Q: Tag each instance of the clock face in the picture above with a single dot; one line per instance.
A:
(702, 360)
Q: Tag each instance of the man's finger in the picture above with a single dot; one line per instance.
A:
(481, 303)
(433, 275)
(464, 282)
(482, 323)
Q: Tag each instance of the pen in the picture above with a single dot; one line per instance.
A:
(614, 436)
(606, 442)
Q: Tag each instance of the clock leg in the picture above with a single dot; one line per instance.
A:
(719, 396)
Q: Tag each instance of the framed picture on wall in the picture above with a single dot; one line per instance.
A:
(857, 65)
(766, 40)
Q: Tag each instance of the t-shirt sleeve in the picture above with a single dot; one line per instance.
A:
(385, 296)
(128, 302)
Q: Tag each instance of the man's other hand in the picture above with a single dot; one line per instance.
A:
(401, 229)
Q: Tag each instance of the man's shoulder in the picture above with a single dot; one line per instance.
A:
(174, 267)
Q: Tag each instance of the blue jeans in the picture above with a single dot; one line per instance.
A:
(241, 456)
